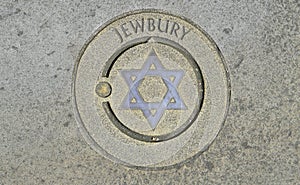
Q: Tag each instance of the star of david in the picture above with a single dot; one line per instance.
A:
(134, 100)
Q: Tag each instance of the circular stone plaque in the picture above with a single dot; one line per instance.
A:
(151, 89)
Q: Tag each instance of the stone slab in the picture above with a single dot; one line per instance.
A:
(40, 142)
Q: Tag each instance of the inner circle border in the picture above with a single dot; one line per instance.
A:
(80, 124)
(200, 83)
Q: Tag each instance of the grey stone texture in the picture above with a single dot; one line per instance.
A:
(39, 139)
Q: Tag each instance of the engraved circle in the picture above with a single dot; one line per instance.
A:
(91, 113)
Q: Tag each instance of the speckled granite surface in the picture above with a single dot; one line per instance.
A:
(40, 142)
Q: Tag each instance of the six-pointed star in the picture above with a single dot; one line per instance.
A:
(171, 100)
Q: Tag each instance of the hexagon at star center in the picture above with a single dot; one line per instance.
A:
(152, 89)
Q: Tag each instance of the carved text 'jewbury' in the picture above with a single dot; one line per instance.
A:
(151, 25)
